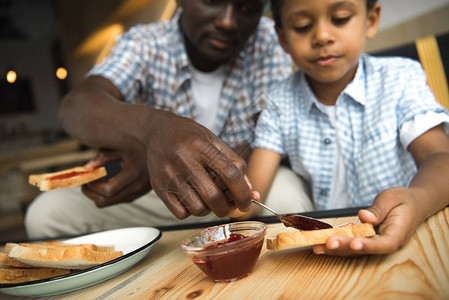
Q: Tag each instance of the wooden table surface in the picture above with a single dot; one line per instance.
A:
(420, 270)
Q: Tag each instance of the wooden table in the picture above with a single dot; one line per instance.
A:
(420, 270)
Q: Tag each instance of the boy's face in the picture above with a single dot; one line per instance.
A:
(325, 38)
(215, 30)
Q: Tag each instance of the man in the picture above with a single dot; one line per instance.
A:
(177, 101)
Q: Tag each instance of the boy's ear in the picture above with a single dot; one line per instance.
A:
(373, 21)
(281, 38)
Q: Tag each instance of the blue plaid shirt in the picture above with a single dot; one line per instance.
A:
(149, 65)
(384, 94)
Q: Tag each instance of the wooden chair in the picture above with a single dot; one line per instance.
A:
(433, 53)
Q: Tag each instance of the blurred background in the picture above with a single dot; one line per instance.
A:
(46, 47)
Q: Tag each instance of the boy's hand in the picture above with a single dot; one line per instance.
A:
(396, 213)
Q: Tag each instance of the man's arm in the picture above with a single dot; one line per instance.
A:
(95, 113)
(180, 153)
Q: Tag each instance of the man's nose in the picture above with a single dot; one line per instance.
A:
(227, 19)
(323, 34)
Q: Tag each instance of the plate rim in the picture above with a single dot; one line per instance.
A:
(4, 286)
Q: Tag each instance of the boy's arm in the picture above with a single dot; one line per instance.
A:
(431, 153)
(399, 211)
(262, 167)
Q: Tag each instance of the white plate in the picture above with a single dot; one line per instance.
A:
(135, 242)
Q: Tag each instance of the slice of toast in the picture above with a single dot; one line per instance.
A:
(76, 257)
(9, 246)
(19, 275)
(6, 261)
(298, 238)
(66, 178)
(101, 248)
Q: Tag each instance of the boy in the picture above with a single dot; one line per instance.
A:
(357, 128)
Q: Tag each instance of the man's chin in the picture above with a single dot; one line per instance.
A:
(220, 54)
(209, 63)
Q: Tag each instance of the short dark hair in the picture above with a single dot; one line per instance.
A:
(277, 4)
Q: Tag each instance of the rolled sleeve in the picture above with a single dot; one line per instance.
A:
(420, 124)
(268, 131)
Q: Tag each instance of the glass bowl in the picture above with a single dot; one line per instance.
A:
(226, 252)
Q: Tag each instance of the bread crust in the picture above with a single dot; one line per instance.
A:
(19, 275)
(6, 261)
(75, 257)
(295, 239)
(22, 262)
(81, 175)
(101, 248)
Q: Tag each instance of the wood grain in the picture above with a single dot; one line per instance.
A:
(420, 270)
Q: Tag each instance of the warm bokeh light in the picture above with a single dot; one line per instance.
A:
(114, 31)
(61, 73)
(11, 76)
(96, 41)
(100, 42)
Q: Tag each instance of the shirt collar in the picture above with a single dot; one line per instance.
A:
(180, 50)
(356, 88)
(306, 97)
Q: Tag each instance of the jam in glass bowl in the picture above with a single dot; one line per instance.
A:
(226, 252)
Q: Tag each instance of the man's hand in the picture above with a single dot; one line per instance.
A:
(193, 171)
(130, 183)
(395, 211)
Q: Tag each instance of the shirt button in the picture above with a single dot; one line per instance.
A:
(327, 141)
(323, 193)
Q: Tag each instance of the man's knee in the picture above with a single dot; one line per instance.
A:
(38, 214)
(46, 213)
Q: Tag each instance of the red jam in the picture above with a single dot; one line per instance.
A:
(231, 264)
(65, 176)
(232, 237)
(68, 175)
(303, 223)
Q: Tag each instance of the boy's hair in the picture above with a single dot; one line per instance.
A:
(277, 4)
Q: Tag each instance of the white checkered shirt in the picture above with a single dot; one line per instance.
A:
(150, 66)
(385, 94)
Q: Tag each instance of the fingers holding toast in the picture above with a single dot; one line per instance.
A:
(298, 238)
